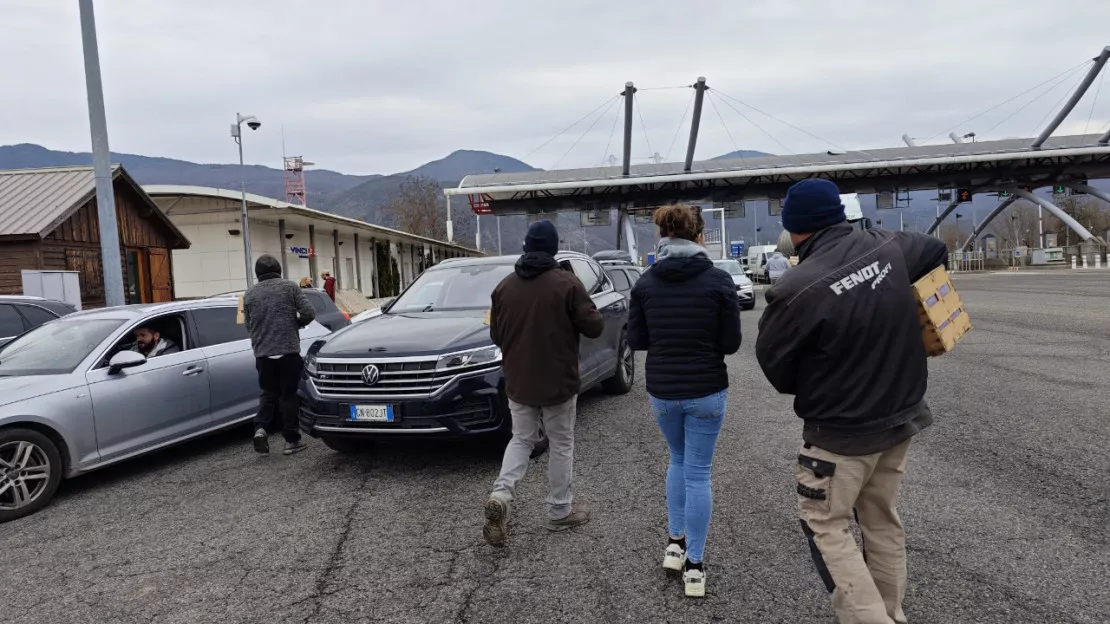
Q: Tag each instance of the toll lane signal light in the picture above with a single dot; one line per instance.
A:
(963, 195)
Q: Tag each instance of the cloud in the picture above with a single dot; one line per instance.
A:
(378, 87)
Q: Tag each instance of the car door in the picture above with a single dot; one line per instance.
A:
(614, 307)
(227, 347)
(159, 401)
(11, 323)
(620, 280)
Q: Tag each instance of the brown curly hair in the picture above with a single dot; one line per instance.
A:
(680, 221)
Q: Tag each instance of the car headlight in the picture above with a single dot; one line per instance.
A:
(310, 364)
(475, 357)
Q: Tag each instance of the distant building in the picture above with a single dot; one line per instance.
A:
(376, 260)
(48, 221)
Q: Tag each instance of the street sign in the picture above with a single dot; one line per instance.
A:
(736, 249)
(963, 195)
(541, 216)
(651, 259)
(1060, 189)
(1017, 253)
(944, 195)
(595, 217)
(732, 210)
(884, 200)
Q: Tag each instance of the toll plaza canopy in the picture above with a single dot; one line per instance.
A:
(980, 166)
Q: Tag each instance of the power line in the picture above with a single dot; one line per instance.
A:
(1093, 102)
(680, 122)
(1005, 102)
(1043, 93)
(584, 133)
(727, 131)
(564, 130)
(758, 127)
(640, 112)
(612, 133)
(1058, 103)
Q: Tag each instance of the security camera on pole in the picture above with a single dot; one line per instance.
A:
(237, 134)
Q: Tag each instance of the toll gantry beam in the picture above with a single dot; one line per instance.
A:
(990, 217)
(1057, 212)
(944, 214)
(695, 121)
(1092, 73)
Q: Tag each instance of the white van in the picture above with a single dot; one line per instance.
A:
(757, 261)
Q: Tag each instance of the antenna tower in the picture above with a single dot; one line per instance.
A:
(294, 179)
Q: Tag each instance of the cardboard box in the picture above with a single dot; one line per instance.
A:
(943, 317)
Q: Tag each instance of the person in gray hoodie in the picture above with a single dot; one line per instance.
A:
(777, 266)
(274, 311)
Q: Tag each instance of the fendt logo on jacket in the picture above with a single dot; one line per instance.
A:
(868, 274)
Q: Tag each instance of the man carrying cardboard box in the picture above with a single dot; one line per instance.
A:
(842, 333)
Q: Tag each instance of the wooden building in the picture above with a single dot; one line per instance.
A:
(48, 221)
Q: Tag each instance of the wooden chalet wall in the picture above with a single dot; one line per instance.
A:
(15, 256)
(75, 245)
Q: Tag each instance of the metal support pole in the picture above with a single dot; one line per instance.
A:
(908, 140)
(358, 265)
(622, 214)
(1104, 139)
(450, 224)
(1055, 210)
(695, 121)
(941, 215)
(478, 232)
(337, 265)
(245, 220)
(1092, 73)
(955, 138)
(628, 92)
(111, 259)
(374, 268)
(281, 243)
(499, 235)
(313, 265)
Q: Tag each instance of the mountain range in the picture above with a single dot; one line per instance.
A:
(362, 196)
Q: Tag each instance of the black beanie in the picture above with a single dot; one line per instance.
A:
(266, 264)
(542, 236)
(811, 206)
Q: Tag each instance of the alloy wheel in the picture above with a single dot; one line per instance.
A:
(24, 474)
(628, 363)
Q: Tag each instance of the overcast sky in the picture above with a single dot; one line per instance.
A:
(382, 87)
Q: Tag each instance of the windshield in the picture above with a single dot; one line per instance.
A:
(55, 348)
(452, 288)
(731, 266)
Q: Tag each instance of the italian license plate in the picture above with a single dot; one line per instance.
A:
(372, 413)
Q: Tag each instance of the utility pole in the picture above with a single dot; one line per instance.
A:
(110, 259)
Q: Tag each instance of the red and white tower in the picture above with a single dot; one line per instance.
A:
(294, 180)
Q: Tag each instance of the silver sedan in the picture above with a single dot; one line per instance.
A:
(74, 397)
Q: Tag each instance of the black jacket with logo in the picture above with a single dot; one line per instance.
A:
(842, 333)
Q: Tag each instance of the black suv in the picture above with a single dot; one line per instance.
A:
(20, 313)
(428, 367)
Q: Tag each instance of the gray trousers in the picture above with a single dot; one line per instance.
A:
(558, 426)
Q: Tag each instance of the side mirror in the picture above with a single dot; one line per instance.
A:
(125, 359)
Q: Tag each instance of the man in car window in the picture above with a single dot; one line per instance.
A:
(537, 316)
(150, 343)
(274, 311)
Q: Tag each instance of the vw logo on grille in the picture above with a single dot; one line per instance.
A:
(371, 374)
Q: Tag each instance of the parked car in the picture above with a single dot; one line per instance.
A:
(327, 313)
(744, 289)
(624, 277)
(74, 397)
(20, 313)
(427, 366)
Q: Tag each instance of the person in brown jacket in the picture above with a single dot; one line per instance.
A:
(537, 316)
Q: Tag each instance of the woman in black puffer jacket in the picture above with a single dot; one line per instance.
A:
(685, 314)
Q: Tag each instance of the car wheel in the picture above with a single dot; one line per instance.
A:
(621, 381)
(345, 445)
(30, 471)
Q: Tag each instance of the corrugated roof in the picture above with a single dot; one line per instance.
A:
(32, 200)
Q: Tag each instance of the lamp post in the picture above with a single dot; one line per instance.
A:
(237, 134)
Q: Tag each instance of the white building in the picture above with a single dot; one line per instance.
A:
(307, 242)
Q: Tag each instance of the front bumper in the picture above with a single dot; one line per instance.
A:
(467, 406)
(747, 298)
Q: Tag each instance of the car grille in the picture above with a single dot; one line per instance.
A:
(408, 379)
(473, 413)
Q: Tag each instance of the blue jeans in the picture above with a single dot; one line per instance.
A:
(690, 427)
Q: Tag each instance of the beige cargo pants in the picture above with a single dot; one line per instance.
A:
(867, 587)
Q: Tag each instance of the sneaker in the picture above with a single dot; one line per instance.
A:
(295, 447)
(261, 441)
(497, 521)
(674, 558)
(694, 581)
(571, 520)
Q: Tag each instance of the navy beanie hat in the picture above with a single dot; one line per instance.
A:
(811, 206)
(542, 236)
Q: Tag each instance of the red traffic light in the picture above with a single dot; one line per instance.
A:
(963, 195)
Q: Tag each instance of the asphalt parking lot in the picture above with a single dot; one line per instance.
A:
(1007, 508)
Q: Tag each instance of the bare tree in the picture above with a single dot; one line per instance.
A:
(953, 236)
(416, 208)
(1091, 214)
